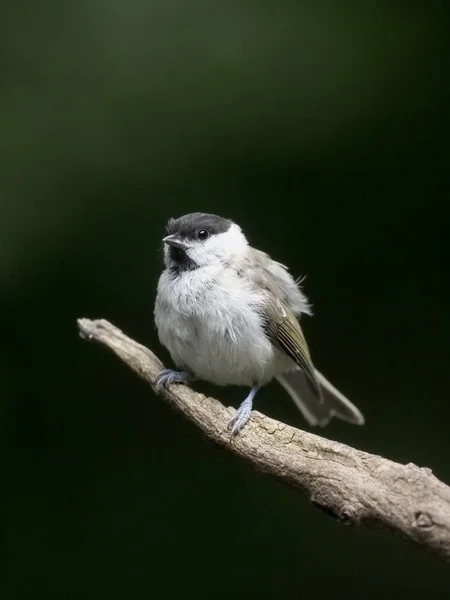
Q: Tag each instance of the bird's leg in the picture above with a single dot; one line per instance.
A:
(168, 376)
(242, 414)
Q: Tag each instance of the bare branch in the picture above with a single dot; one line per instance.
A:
(353, 486)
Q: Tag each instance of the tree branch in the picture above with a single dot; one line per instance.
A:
(351, 485)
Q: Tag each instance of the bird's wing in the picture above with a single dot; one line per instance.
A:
(284, 331)
(275, 277)
(284, 300)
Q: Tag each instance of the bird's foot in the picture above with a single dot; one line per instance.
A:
(242, 415)
(168, 376)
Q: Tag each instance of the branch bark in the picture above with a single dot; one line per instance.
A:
(353, 486)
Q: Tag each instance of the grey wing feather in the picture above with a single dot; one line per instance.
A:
(275, 277)
(285, 333)
(284, 301)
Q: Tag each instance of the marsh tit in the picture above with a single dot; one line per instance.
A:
(229, 314)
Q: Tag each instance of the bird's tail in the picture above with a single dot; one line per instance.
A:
(319, 409)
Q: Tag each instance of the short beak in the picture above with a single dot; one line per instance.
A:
(174, 241)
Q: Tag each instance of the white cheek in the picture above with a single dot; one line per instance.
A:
(200, 255)
(220, 247)
(230, 243)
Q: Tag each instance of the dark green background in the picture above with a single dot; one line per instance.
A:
(323, 129)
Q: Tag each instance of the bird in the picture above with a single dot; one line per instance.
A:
(230, 315)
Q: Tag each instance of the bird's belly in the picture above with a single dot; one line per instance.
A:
(221, 345)
(233, 356)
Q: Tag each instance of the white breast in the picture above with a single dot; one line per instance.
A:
(209, 321)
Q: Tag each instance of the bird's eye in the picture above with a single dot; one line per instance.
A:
(203, 234)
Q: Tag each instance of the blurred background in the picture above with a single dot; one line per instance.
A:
(323, 129)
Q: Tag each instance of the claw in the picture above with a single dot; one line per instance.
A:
(242, 415)
(168, 376)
